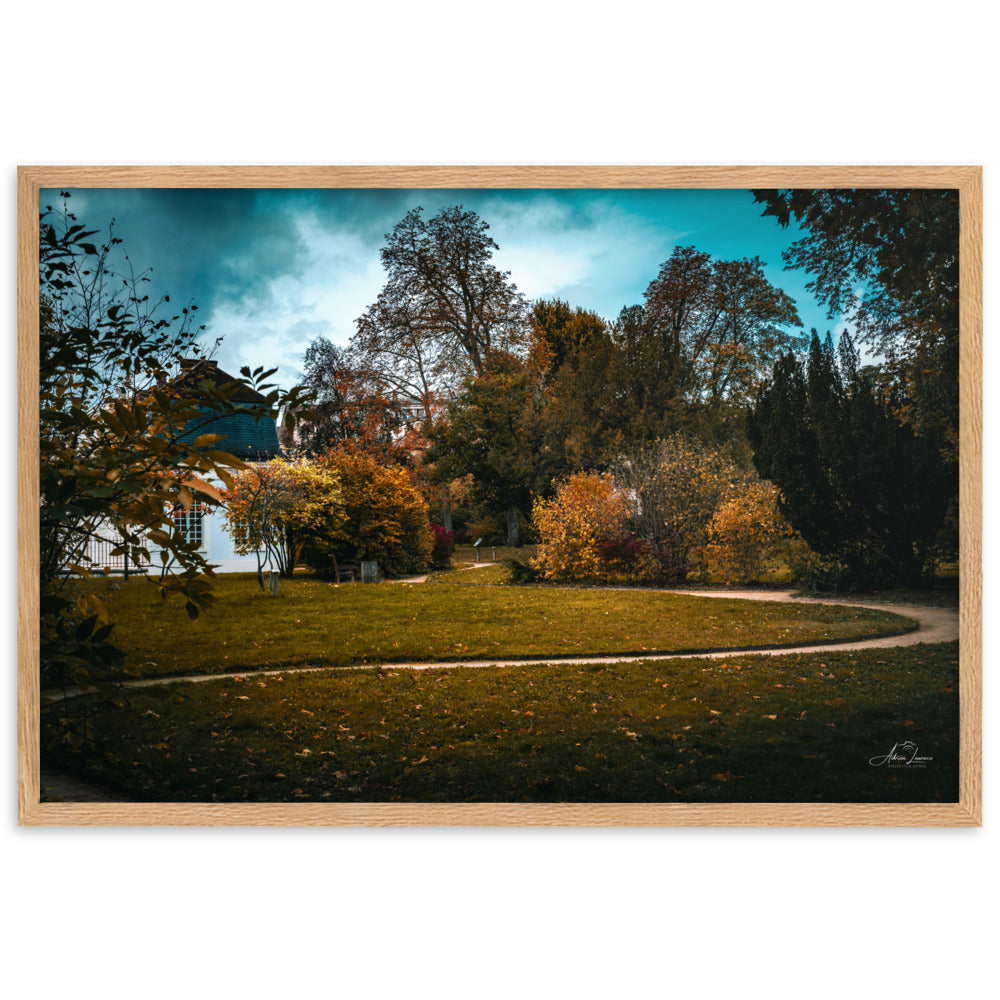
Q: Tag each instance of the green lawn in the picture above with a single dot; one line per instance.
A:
(319, 623)
(496, 573)
(467, 554)
(794, 727)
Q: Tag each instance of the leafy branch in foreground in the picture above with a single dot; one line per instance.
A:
(126, 442)
(886, 262)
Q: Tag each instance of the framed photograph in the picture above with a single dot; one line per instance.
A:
(563, 496)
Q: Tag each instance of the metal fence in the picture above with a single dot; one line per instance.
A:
(99, 556)
(98, 553)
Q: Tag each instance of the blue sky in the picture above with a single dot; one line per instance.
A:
(270, 270)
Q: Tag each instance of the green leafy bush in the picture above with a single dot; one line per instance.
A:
(521, 571)
(489, 528)
(822, 574)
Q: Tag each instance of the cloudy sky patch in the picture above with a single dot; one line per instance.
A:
(273, 269)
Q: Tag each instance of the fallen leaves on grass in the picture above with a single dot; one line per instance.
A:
(491, 748)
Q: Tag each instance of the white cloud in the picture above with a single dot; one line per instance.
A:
(586, 253)
(338, 277)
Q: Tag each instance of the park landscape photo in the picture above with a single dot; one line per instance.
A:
(490, 495)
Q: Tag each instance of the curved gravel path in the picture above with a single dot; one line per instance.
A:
(935, 625)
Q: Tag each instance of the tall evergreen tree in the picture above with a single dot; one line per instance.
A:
(856, 483)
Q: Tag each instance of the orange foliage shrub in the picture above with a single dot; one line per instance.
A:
(385, 516)
(586, 511)
(743, 531)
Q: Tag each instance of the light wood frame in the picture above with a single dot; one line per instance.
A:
(966, 812)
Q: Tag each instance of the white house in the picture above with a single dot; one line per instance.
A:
(250, 435)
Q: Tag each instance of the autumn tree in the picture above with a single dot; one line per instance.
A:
(609, 387)
(490, 431)
(886, 262)
(674, 487)
(574, 359)
(646, 382)
(724, 318)
(560, 337)
(860, 486)
(350, 408)
(687, 359)
(385, 517)
(445, 306)
(274, 510)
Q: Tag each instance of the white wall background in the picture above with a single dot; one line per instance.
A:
(487, 913)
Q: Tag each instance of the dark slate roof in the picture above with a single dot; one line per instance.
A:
(195, 370)
(250, 434)
(244, 435)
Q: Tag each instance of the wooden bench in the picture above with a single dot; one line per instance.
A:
(347, 574)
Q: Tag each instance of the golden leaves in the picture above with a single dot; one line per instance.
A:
(743, 530)
(586, 509)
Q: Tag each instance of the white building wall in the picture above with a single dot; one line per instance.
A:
(217, 544)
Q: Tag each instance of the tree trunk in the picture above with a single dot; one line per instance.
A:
(513, 529)
(446, 509)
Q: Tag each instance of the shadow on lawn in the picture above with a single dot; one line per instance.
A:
(797, 728)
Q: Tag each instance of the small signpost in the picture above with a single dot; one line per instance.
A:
(476, 545)
(369, 571)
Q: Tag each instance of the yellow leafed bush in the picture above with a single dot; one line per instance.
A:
(743, 532)
(674, 487)
(586, 511)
